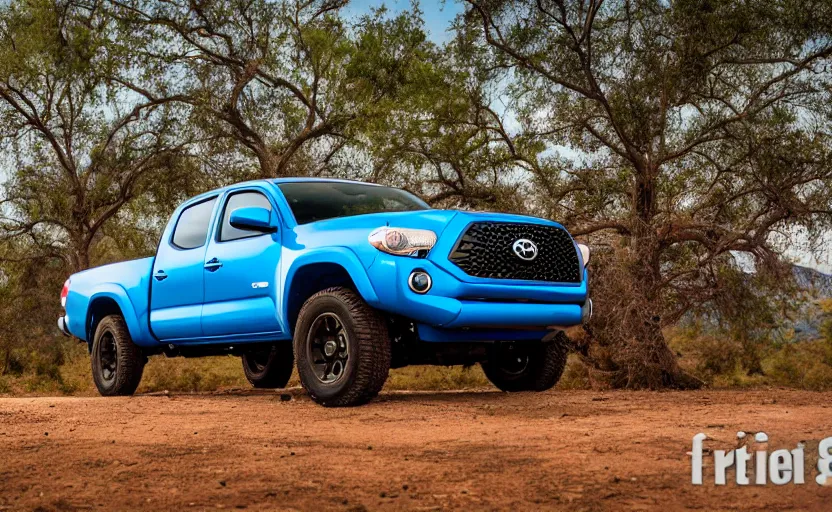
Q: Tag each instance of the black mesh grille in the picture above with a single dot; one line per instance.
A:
(486, 250)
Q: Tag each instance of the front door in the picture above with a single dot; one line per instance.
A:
(177, 277)
(241, 282)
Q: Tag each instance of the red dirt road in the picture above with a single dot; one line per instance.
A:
(417, 451)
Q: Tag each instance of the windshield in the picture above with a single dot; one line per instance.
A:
(318, 200)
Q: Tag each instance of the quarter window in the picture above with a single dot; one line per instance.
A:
(192, 226)
(241, 200)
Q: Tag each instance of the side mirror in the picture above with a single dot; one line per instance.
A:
(254, 218)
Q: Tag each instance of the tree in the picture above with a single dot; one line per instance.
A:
(288, 80)
(85, 127)
(695, 130)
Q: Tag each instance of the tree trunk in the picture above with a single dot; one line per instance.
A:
(79, 255)
(633, 351)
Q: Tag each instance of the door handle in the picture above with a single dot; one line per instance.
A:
(160, 275)
(213, 265)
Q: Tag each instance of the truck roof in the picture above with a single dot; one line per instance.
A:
(335, 180)
(276, 181)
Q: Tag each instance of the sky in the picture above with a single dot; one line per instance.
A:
(438, 14)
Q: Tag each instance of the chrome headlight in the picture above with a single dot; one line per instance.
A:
(584, 253)
(402, 241)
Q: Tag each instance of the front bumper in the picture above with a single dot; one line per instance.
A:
(494, 304)
(63, 321)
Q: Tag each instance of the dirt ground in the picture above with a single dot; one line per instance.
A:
(416, 451)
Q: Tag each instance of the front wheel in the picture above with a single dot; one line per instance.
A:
(527, 365)
(117, 363)
(342, 348)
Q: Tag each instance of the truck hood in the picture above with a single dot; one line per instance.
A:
(352, 232)
(434, 220)
(348, 230)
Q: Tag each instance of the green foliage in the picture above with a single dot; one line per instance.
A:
(674, 135)
(671, 136)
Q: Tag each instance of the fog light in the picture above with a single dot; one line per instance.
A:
(419, 281)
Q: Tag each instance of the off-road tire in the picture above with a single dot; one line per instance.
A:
(110, 334)
(270, 368)
(545, 363)
(368, 362)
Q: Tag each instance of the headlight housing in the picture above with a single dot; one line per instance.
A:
(584, 253)
(402, 241)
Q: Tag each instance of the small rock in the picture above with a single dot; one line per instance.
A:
(222, 483)
(285, 397)
(291, 453)
(405, 487)
(369, 447)
(46, 433)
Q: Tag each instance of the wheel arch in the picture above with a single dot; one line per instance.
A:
(321, 270)
(111, 300)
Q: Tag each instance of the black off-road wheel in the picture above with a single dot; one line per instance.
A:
(269, 367)
(117, 363)
(527, 365)
(342, 348)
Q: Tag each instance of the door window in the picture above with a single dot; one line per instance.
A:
(192, 226)
(240, 200)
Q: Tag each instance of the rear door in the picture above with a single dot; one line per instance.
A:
(241, 273)
(178, 274)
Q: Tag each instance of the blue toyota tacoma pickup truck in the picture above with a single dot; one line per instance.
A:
(345, 279)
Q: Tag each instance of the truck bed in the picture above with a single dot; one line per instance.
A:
(110, 283)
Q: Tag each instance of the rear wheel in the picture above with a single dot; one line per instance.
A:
(117, 363)
(269, 367)
(342, 348)
(527, 365)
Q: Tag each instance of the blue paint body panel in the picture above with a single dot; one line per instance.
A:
(239, 291)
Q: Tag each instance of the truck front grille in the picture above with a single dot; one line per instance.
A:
(486, 250)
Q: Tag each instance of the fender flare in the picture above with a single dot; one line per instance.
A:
(118, 294)
(342, 256)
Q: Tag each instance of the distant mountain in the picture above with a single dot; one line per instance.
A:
(818, 286)
(813, 281)
(805, 323)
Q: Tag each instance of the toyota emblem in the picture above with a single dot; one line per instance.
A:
(525, 249)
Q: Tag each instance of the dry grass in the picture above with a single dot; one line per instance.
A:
(213, 373)
(800, 365)
(716, 360)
